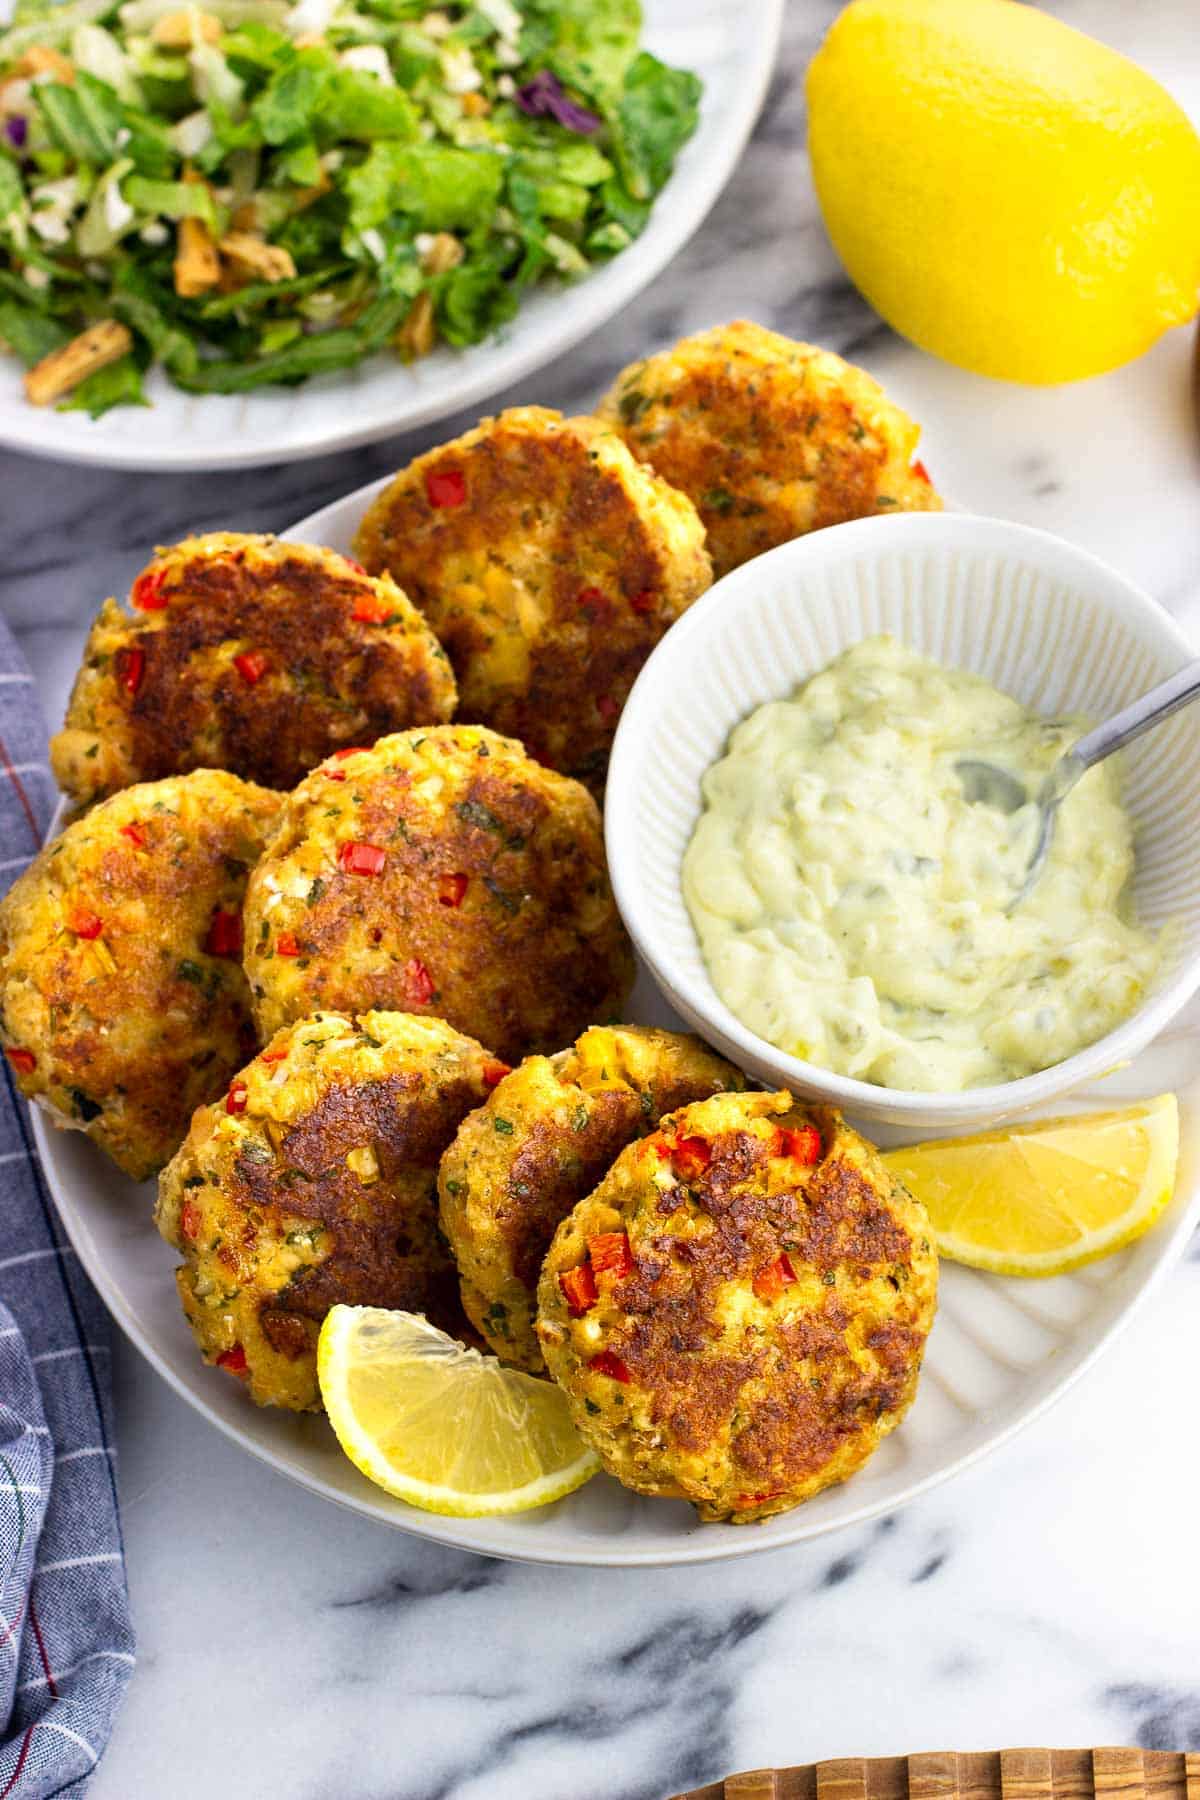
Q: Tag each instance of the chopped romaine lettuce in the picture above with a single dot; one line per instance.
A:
(108, 216)
(439, 190)
(587, 42)
(12, 191)
(98, 53)
(655, 116)
(29, 334)
(83, 119)
(358, 106)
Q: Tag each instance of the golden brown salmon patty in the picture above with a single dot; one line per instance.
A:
(769, 438)
(122, 999)
(249, 654)
(313, 1183)
(548, 1133)
(549, 563)
(738, 1313)
(441, 872)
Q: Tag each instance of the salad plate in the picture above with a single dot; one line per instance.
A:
(1000, 1354)
(733, 54)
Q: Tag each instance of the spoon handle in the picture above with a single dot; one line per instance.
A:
(1137, 717)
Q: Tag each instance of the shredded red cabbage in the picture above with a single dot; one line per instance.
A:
(16, 130)
(544, 97)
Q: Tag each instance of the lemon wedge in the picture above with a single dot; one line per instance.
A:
(1041, 1199)
(441, 1426)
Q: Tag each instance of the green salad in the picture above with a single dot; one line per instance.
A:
(251, 192)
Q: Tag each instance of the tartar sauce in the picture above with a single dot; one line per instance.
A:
(850, 901)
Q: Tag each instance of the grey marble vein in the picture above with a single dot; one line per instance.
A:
(441, 1572)
(1158, 1718)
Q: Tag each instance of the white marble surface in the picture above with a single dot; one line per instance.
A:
(1050, 1596)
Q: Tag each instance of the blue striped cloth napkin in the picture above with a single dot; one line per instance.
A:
(66, 1642)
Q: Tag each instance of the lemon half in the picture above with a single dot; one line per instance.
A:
(1042, 1199)
(441, 1426)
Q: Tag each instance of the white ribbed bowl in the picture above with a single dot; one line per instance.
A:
(1033, 615)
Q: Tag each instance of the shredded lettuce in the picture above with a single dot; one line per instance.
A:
(175, 200)
(213, 79)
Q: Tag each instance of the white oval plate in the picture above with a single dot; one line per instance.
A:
(1000, 1353)
(731, 47)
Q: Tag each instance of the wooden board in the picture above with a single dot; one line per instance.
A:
(1102, 1773)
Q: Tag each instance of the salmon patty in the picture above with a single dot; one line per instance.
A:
(769, 438)
(549, 562)
(248, 654)
(440, 872)
(312, 1183)
(122, 999)
(546, 1136)
(738, 1313)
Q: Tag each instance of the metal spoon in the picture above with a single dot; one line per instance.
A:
(985, 784)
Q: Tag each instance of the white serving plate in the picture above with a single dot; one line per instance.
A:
(1001, 1352)
(730, 45)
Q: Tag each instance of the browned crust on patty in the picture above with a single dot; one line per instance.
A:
(550, 584)
(279, 1218)
(135, 1028)
(744, 1402)
(769, 438)
(534, 950)
(327, 678)
(546, 1136)
(386, 1249)
(542, 1188)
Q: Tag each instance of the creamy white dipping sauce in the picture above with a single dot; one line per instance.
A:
(850, 902)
